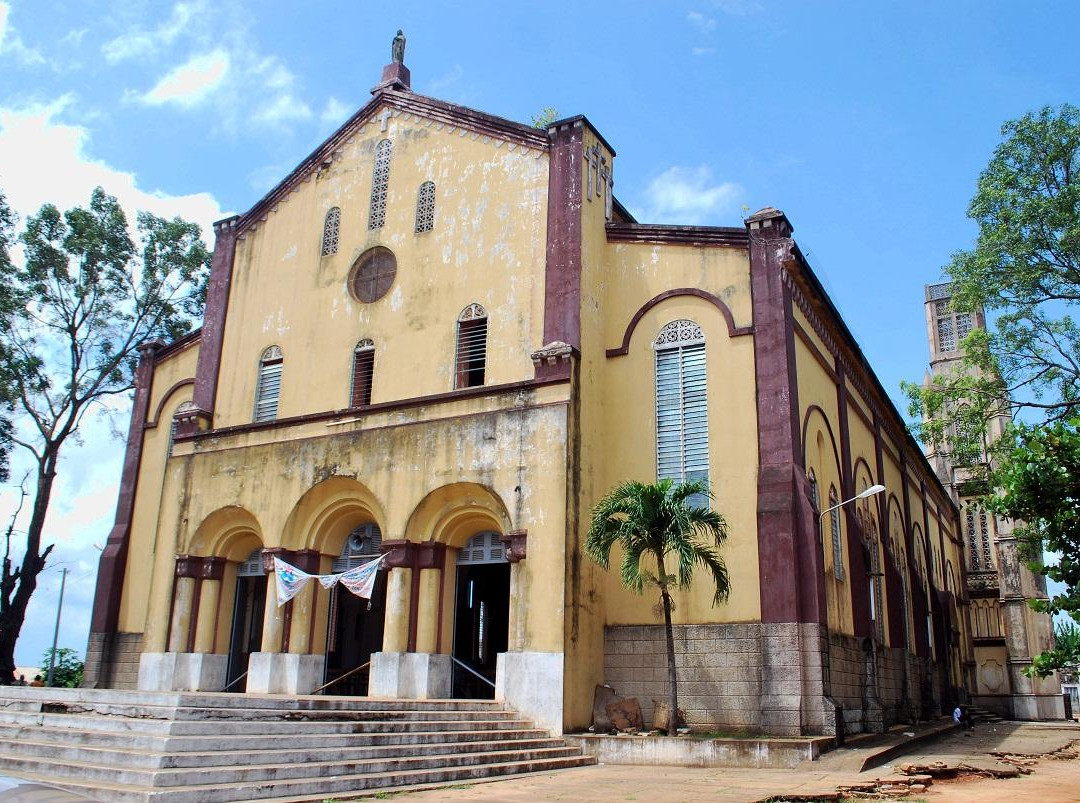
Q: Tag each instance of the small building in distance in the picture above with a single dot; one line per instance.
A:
(442, 338)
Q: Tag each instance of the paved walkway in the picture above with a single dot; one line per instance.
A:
(1051, 781)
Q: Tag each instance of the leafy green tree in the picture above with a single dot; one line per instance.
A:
(545, 117)
(76, 311)
(68, 669)
(1065, 655)
(1037, 484)
(1025, 272)
(649, 522)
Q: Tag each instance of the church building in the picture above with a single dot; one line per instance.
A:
(442, 339)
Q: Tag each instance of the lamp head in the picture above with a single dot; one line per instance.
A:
(871, 491)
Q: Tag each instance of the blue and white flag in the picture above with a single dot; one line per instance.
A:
(290, 580)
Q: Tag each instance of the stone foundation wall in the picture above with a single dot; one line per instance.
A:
(719, 670)
(783, 679)
(112, 661)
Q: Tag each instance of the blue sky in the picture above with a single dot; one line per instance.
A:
(867, 125)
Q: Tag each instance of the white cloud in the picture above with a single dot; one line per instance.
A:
(700, 21)
(738, 8)
(45, 160)
(702, 51)
(281, 111)
(191, 82)
(689, 196)
(335, 112)
(11, 43)
(137, 43)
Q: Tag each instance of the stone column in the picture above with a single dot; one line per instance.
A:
(430, 563)
(273, 616)
(206, 623)
(305, 603)
(187, 570)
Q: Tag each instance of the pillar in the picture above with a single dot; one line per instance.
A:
(304, 604)
(396, 625)
(187, 569)
(209, 604)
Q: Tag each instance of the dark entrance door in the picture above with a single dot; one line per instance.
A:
(355, 632)
(481, 615)
(246, 628)
(355, 628)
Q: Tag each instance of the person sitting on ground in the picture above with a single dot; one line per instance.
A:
(21, 681)
(37, 681)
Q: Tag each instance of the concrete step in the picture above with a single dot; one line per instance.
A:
(292, 789)
(165, 727)
(261, 773)
(135, 758)
(193, 749)
(221, 713)
(248, 742)
(32, 697)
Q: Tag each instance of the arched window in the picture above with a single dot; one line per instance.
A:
(362, 373)
(331, 225)
(682, 423)
(877, 596)
(471, 359)
(425, 207)
(379, 182)
(815, 500)
(268, 384)
(837, 541)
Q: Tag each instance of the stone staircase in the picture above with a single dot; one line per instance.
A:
(205, 748)
(983, 716)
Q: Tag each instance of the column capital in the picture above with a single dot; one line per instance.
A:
(514, 543)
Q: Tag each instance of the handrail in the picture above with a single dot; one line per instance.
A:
(342, 677)
(235, 681)
(464, 665)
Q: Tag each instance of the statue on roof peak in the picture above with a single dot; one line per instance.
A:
(397, 49)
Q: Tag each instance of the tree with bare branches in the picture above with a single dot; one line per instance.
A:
(75, 312)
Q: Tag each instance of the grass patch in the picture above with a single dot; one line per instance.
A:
(385, 795)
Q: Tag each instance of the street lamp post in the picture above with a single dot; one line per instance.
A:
(871, 491)
(56, 630)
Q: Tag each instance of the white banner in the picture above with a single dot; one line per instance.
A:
(291, 580)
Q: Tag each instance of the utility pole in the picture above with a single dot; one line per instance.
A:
(56, 630)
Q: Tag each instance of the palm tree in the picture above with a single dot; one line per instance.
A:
(652, 520)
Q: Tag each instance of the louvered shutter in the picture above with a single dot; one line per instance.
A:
(682, 421)
(268, 391)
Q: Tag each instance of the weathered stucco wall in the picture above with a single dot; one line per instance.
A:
(487, 246)
(170, 389)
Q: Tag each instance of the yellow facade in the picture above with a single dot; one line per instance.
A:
(525, 236)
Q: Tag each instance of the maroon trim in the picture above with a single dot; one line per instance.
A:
(893, 583)
(857, 569)
(212, 340)
(676, 235)
(177, 345)
(579, 120)
(161, 404)
(790, 562)
(515, 545)
(562, 276)
(113, 561)
(815, 352)
(716, 301)
(380, 407)
(405, 101)
(810, 410)
(193, 620)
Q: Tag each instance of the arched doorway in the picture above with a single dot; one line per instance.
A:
(355, 626)
(481, 614)
(247, 624)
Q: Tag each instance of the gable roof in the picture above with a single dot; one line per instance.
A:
(405, 102)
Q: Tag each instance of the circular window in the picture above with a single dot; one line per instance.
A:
(372, 274)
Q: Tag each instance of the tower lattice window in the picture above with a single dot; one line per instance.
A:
(425, 207)
(379, 183)
(331, 226)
